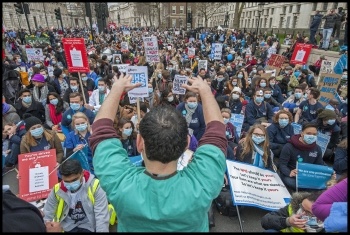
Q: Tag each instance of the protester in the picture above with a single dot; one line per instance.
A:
(126, 131)
(54, 109)
(26, 104)
(74, 86)
(41, 88)
(340, 165)
(231, 133)
(315, 24)
(330, 20)
(98, 96)
(292, 103)
(9, 114)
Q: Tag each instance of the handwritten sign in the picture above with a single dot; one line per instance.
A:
(191, 52)
(216, 50)
(253, 186)
(76, 55)
(139, 75)
(121, 67)
(328, 86)
(124, 46)
(37, 174)
(276, 60)
(237, 121)
(313, 176)
(202, 64)
(327, 66)
(151, 49)
(178, 81)
(34, 54)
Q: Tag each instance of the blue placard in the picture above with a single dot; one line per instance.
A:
(312, 176)
(81, 156)
(136, 160)
(322, 141)
(341, 64)
(237, 121)
(297, 128)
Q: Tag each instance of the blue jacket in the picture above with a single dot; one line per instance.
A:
(197, 123)
(277, 93)
(340, 164)
(337, 221)
(279, 136)
(68, 115)
(254, 112)
(235, 106)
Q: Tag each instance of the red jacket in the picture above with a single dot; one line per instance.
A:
(318, 63)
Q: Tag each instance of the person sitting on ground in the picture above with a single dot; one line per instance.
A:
(293, 101)
(26, 104)
(98, 96)
(315, 68)
(127, 136)
(54, 108)
(340, 165)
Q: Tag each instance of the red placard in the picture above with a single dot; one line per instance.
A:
(37, 174)
(301, 53)
(76, 56)
(276, 60)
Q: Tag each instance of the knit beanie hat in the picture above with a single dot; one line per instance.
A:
(30, 121)
(38, 78)
(327, 114)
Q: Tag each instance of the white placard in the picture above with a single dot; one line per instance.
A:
(217, 47)
(126, 32)
(151, 49)
(272, 71)
(327, 66)
(253, 186)
(202, 64)
(34, 54)
(133, 99)
(38, 179)
(77, 59)
(121, 67)
(184, 159)
(50, 70)
(124, 46)
(191, 52)
(178, 81)
(139, 75)
(177, 32)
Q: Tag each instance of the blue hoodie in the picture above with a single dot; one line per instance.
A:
(278, 135)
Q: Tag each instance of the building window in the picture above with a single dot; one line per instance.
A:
(298, 8)
(243, 14)
(272, 11)
(325, 6)
(182, 9)
(265, 23)
(181, 23)
(314, 6)
(281, 22)
(290, 9)
(295, 19)
(174, 22)
(189, 9)
(335, 5)
(174, 10)
(270, 23)
(284, 10)
(288, 21)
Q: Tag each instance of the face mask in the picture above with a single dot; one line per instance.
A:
(344, 77)
(254, 70)
(283, 122)
(220, 79)
(272, 83)
(84, 78)
(159, 76)
(331, 121)
(234, 83)
(192, 105)
(297, 95)
(235, 96)
(263, 84)
(259, 99)
(150, 90)
(257, 139)
(212, 69)
(240, 76)
(75, 106)
(27, 99)
(19, 60)
(37, 65)
(226, 120)
(170, 68)
(74, 88)
(81, 127)
(197, 59)
(101, 88)
(37, 132)
(170, 99)
(54, 102)
(310, 139)
(117, 61)
(296, 73)
(98, 64)
(240, 64)
(305, 95)
(127, 132)
(53, 62)
(267, 96)
(73, 186)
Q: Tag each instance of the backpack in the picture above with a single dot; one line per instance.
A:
(224, 203)
(91, 193)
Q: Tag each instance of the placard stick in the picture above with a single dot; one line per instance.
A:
(138, 109)
(191, 63)
(82, 88)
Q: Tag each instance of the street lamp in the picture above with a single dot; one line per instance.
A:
(260, 9)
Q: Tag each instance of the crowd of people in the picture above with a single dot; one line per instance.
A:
(47, 107)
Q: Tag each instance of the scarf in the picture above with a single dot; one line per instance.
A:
(189, 114)
(294, 140)
(55, 118)
(5, 108)
(258, 156)
(43, 93)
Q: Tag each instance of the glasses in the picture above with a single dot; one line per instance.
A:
(259, 135)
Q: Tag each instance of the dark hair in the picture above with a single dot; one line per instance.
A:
(190, 94)
(164, 131)
(70, 167)
(74, 79)
(143, 107)
(22, 91)
(315, 92)
(314, 195)
(221, 101)
(308, 125)
(121, 123)
(59, 106)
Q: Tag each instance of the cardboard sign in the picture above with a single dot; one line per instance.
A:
(76, 56)
(124, 46)
(191, 52)
(34, 54)
(327, 66)
(139, 75)
(37, 174)
(117, 59)
(216, 50)
(202, 64)
(341, 64)
(151, 49)
(313, 176)
(328, 85)
(254, 186)
(301, 53)
(276, 60)
(266, 75)
(178, 81)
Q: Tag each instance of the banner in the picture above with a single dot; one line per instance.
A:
(191, 52)
(322, 141)
(81, 156)
(184, 159)
(297, 128)
(341, 64)
(216, 50)
(237, 121)
(151, 49)
(301, 53)
(178, 81)
(276, 60)
(328, 86)
(36, 42)
(203, 64)
(37, 174)
(312, 176)
(253, 186)
(139, 75)
(124, 46)
(34, 54)
(76, 56)
(117, 59)
(121, 67)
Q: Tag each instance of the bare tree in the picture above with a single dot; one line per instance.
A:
(208, 9)
(238, 13)
(141, 8)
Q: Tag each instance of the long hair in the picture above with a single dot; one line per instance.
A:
(248, 144)
(59, 107)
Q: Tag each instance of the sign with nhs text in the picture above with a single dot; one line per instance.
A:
(139, 75)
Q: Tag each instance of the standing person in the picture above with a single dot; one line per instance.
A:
(328, 26)
(315, 24)
(338, 22)
(156, 200)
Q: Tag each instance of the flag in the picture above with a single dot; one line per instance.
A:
(341, 64)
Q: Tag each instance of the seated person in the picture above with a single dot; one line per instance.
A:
(26, 104)
(269, 99)
(127, 136)
(231, 133)
(88, 83)
(301, 147)
(340, 165)
(293, 101)
(98, 96)
(307, 111)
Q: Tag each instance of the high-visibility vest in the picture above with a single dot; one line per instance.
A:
(91, 193)
(292, 229)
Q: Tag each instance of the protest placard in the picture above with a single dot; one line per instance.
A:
(216, 50)
(178, 81)
(341, 64)
(133, 100)
(297, 128)
(202, 64)
(328, 85)
(301, 53)
(121, 67)
(276, 60)
(139, 75)
(266, 75)
(124, 46)
(237, 121)
(327, 66)
(272, 72)
(253, 186)
(191, 52)
(81, 156)
(184, 159)
(322, 141)
(37, 174)
(177, 32)
(50, 70)
(34, 54)
(38, 42)
(151, 49)
(117, 59)
(313, 176)
(126, 32)
(76, 55)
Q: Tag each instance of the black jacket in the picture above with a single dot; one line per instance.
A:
(316, 21)
(36, 109)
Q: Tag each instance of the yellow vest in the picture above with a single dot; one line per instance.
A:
(91, 193)
(292, 229)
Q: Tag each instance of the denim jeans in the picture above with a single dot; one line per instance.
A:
(289, 182)
(326, 37)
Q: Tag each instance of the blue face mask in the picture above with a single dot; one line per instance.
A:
(220, 79)
(257, 139)
(310, 139)
(127, 132)
(37, 132)
(192, 105)
(75, 106)
(81, 127)
(101, 88)
(283, 122)
(27, 99)
(54, 102)
(297, 95)
(150, 90)
(73, 186)
(159, 75)
(259, 99)
(84, 78)
(74, 88)
(267, 96)
(263, 84)
(331, 121)
(240, 76)
(226, 120)
(296, 73)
